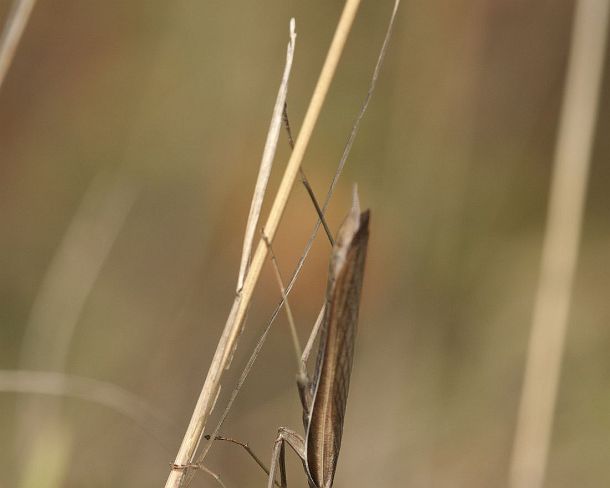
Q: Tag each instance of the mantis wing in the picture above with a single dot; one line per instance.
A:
(336, 352)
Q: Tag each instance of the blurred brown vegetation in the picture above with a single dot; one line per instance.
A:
(160, 110)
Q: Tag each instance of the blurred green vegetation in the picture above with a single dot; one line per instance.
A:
(169, 103)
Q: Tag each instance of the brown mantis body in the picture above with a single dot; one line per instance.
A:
(324, 397)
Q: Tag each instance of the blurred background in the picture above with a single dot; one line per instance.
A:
(130, 137)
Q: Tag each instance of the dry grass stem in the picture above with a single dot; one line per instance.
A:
(266, 161)
(11, 35)
(228, 340)
(561, 241)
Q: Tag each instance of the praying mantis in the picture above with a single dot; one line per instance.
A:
(324, 396)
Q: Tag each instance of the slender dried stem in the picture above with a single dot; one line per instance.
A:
(267, 161)
(228, 340)
(560, 248)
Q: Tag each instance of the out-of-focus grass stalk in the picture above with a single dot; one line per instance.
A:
(57, 308)
(561, 241)
(91, 390)
(11, 35)
(73, 271)
(231, 332)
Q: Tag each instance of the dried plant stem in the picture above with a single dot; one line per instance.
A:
(11, 35)
(560, 248)
(267, 161)
(228, 340)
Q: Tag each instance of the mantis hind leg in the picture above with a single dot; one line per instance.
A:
(296, 442)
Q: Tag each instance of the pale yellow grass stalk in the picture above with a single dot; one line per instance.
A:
(560, 248)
